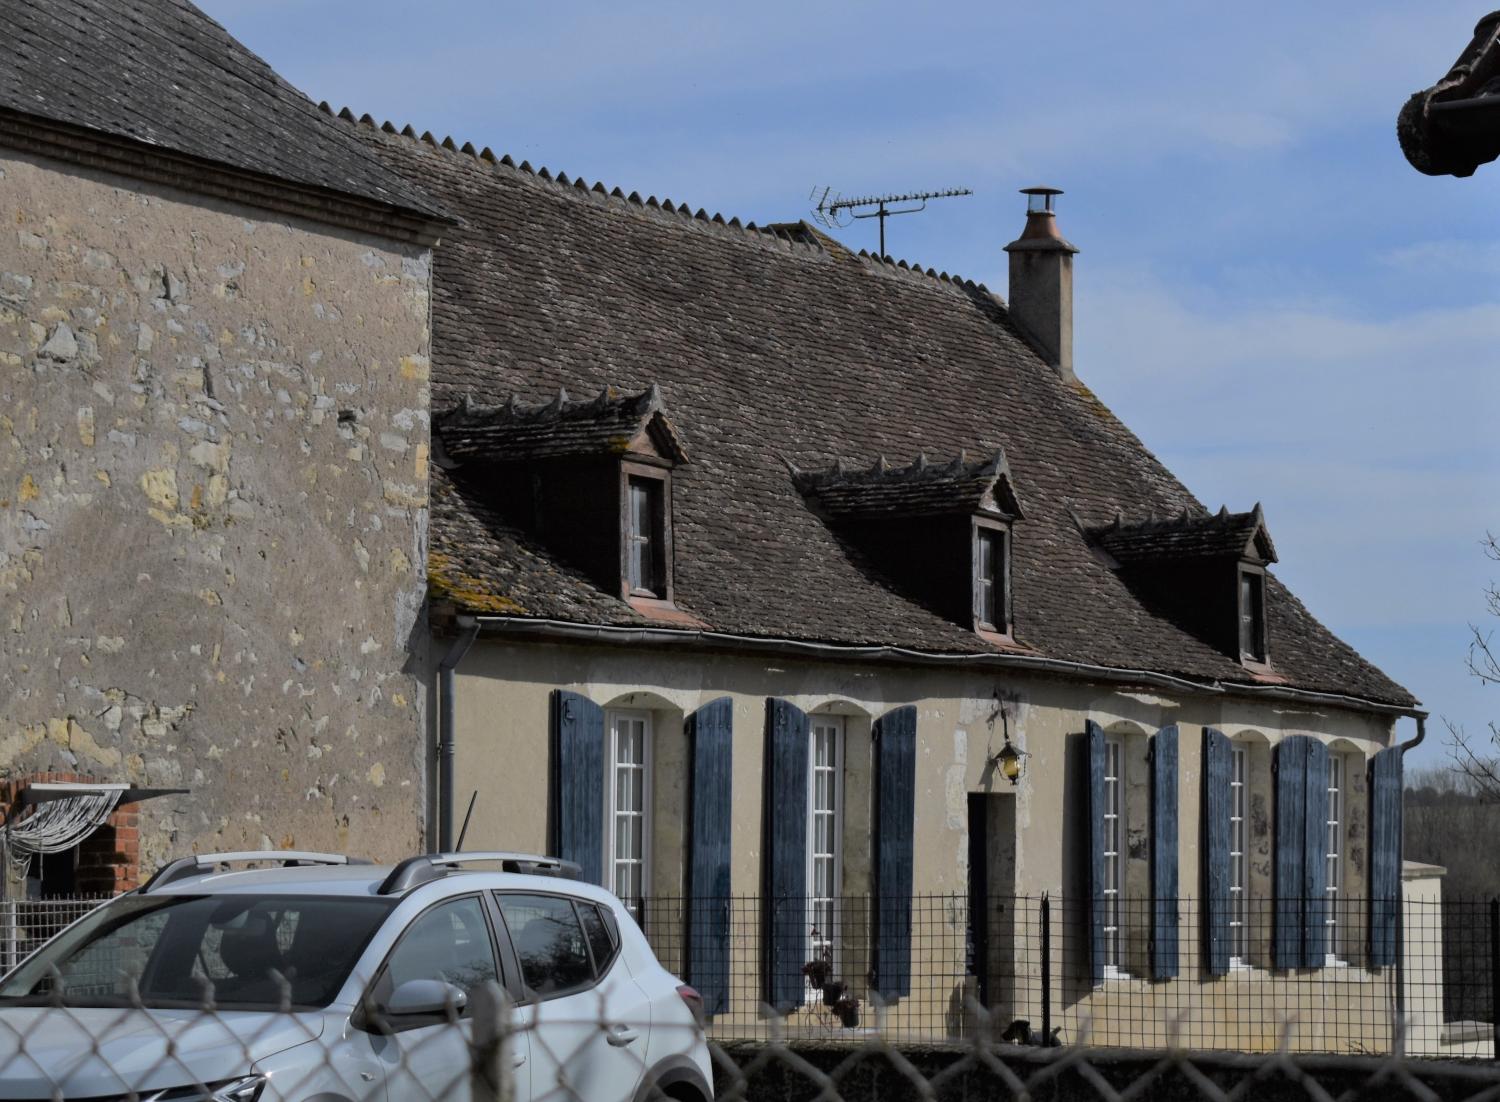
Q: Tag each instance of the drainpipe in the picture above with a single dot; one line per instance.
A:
(1401, 1023)
(468, 629)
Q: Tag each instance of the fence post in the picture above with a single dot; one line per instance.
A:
(1046, 969)
(491, 1069)
(9, 935)
(1495, 972)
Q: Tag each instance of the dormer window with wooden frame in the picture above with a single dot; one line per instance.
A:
(1206, 572)
(991, 576)
(646, 567)
(1252, 615)
(961, 566)
(590, 479)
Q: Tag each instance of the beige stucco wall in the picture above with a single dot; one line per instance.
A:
(501, 728)
(213, 463)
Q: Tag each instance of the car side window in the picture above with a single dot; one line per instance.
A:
(598, 934)
(549, 942)
(451, 942)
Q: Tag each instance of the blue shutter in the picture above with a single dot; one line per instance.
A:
(1164, 854)
(1291, 849)
(577, 782)
(1097, 913)
(785, 938)
(1385, 854)
(710, 731)
(895, 813)
(1315, 857)
(1217, 768)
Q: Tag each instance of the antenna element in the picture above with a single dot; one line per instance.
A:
(833, 208)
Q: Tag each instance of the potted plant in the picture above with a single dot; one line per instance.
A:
(846, 1009)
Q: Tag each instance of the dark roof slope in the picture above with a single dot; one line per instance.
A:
(769, 351)
(163, 73)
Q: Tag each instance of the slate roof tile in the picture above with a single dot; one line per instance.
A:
(163, 73)
(771, 349)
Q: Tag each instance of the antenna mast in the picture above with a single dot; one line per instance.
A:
(832, 207)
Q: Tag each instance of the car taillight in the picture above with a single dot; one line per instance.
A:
(694, 1001)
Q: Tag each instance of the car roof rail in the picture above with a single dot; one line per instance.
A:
(201, 863)
(434, 866)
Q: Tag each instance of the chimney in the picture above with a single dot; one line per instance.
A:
(1041, 282)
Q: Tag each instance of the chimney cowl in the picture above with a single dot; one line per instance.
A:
(1041, 223)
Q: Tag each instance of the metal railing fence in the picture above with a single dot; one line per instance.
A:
(1029, 963)
(27, 923)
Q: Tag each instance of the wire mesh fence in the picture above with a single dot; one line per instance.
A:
(1049, 969)
(27, 923)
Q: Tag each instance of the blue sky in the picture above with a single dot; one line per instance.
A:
(1267, 294)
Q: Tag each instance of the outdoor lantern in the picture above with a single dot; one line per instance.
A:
(1039, 198)
(1009, 760)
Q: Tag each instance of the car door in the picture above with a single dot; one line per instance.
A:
(587, 1018)
(427, 1056)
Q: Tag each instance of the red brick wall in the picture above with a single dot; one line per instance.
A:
(109, 860)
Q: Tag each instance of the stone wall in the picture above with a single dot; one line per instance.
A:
(213, 465)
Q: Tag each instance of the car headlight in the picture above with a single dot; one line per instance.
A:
(246, 1088)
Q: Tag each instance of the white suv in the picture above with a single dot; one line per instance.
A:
(323, 978)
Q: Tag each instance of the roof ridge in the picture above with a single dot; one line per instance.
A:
(779, 231)
(775, 232)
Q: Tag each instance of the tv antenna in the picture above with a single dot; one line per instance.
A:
(833, 208)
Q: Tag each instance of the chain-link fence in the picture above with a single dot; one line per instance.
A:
(488, 1049)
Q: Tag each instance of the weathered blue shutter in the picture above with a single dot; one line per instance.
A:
(1385, 854)
(710, 731)
(1094, 735)
(895, 814)
(1315, 857)
(577, 782)
(1291, 849)
(786, 931)
(1164, 853)
(1217, 768)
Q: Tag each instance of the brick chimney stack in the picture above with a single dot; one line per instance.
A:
(1041, 282)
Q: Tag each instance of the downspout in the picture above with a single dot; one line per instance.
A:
(468, 630)
(1401, 1023)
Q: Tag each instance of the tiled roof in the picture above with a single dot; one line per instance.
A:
(772, 348)
(922, 489)
(163, 73)
(1188, 536)
(517, 431)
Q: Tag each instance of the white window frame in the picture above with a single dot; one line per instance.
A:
(614, 717)
(1116, 830)
(827, 939)
(1333, 867)
(1238, 873)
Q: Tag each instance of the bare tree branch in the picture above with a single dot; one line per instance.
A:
(1479, 762)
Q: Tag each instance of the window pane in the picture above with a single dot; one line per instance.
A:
(548, 940)
(598, 934)
(451, 942)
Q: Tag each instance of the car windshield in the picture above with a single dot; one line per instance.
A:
(235, 952)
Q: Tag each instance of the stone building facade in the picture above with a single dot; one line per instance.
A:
(214, 413)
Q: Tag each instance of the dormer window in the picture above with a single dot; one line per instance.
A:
(1205, 572)
(960, 567)
(991, 577)
(645, 536)
(590, 478)
(1252, 615)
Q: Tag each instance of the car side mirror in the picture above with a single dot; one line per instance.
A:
(426, 997)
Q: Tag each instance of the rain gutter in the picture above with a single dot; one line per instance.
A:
(564, 631)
